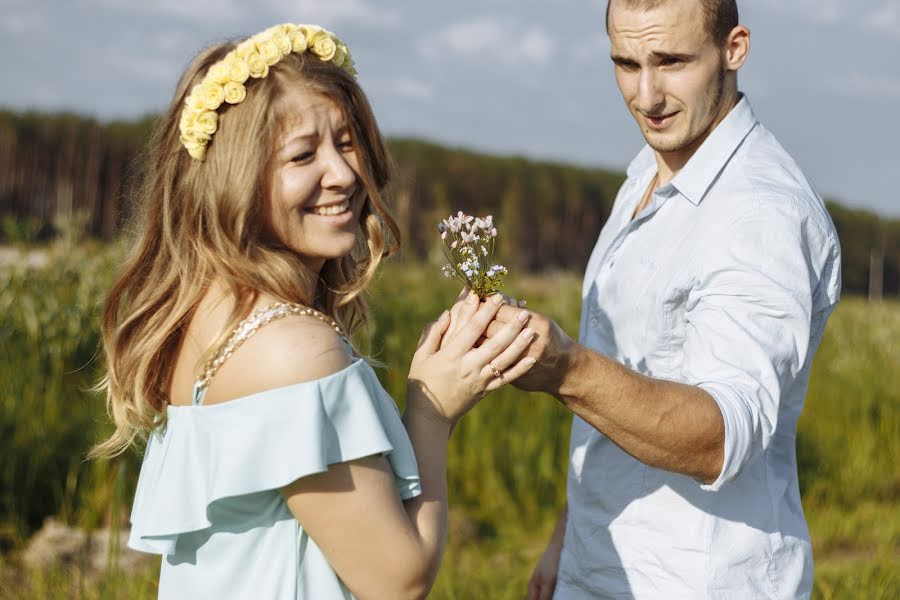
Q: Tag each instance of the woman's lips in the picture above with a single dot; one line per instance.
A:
(330, 210)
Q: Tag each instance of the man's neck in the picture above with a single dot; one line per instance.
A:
(668, 164)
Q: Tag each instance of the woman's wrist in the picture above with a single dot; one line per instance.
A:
(420, 407)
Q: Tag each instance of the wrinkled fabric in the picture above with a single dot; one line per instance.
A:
(724, 281)
(208, 495)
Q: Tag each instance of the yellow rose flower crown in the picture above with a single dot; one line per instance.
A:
(225, 80)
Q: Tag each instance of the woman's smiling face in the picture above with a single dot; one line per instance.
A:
(316, 192)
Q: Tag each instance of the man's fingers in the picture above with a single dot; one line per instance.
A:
(546, 592)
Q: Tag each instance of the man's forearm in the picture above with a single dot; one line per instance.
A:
(667, 425)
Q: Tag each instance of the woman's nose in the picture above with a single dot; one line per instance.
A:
(338, 173)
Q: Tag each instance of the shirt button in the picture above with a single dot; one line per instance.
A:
(595, 321)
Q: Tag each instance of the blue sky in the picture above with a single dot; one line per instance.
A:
(523, 77)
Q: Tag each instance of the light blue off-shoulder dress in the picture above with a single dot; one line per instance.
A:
(207, 498)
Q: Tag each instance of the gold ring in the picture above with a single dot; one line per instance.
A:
(497, 373)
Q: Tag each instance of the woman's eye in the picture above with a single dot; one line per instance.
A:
(303, 157)
(346, 145)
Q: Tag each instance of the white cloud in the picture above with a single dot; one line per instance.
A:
(218, 12)
(591, 48)
(492, 39)
(18, 23)
(328, 12)
(885, 19)
(206, 12)
(869, 15)
(862, 85)
(412, 89)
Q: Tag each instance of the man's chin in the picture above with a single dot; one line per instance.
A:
(665, 143)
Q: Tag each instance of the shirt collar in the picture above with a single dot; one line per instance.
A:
(696, 177)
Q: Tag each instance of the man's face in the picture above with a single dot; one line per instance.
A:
(670, 72)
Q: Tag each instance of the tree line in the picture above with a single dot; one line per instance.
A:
(61, 169)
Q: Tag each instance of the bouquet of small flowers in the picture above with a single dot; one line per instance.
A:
(468, 244)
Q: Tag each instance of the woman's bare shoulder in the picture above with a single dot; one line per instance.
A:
(288, 350)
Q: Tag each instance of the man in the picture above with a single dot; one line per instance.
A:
(703, 303)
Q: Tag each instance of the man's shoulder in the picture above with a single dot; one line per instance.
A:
(765, 179)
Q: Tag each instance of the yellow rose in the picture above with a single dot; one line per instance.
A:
(196, 150)
(188, 118)
(349, 66)
(276, 29)
(269, 51)
(238, 71)
(298, 41)
(257, 65)
(208, 122)
(339, 57)
(282, 42)
(195, 99)
(235, 92)
(195, 136)
(213, 95)
(309, 31)
(246, 48)
(324, 47)
(219, 73)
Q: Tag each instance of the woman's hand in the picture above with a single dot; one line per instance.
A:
(452, 373)
(466, 304)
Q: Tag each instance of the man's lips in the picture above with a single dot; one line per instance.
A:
(661, 121)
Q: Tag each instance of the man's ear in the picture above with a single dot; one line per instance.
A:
(737, 47)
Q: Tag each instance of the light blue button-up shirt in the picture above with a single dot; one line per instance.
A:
(724, 281)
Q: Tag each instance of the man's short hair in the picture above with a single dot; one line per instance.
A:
(721, 15)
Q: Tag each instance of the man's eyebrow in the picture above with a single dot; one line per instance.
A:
(676, 55)
(618, 59)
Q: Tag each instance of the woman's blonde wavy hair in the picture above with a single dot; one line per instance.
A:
(208, 220)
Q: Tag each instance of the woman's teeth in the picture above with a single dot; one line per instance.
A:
(333, 209)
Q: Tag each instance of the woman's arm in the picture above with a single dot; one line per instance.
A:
(379, 546)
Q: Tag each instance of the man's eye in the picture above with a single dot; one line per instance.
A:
(667, 62)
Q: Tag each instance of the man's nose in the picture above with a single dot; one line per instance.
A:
(651, 98)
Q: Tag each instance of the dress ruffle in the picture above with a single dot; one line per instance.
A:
(263, 442)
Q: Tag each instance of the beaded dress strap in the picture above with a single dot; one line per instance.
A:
(244, 330)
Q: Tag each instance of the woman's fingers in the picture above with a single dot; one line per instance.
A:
(514, 351)
(460, 313)
(492, 347)
(511, 374)
(430, 341)
(465, 337)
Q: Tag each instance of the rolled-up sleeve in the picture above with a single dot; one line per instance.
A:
(747, 325)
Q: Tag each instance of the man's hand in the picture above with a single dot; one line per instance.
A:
(543, 580)
(551, 347)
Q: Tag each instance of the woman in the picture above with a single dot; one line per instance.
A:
(276, 465)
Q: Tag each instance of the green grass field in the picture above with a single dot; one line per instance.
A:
(507, 458)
